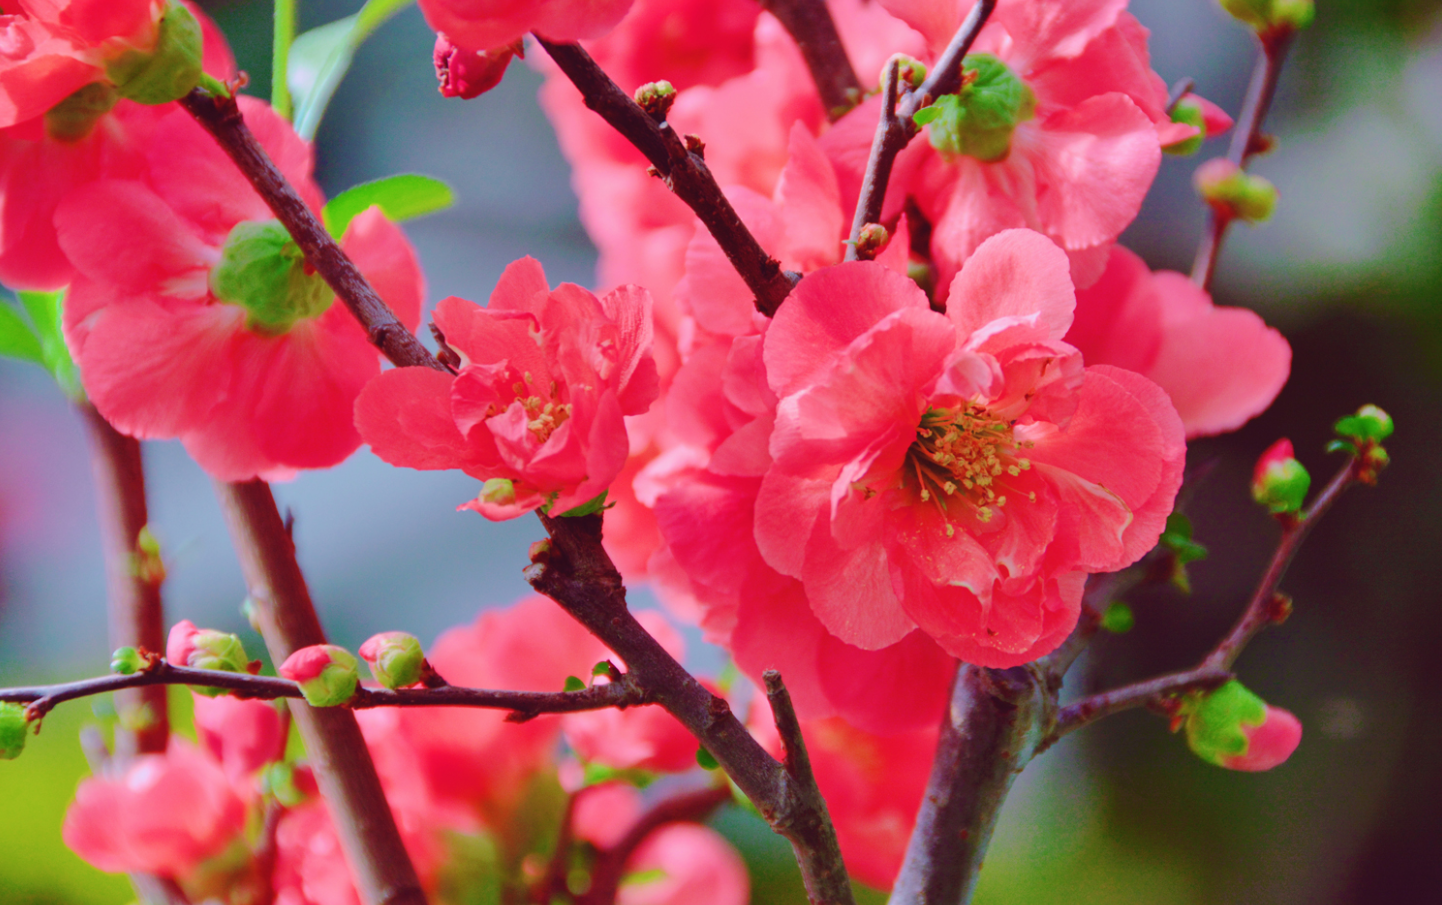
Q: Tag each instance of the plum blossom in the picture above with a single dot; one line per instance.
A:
(537, 407)
(211, 327)
(1220, 366)
(478, 25)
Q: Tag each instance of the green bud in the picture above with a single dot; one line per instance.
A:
(219, 650)
(910, 71)
(573, 684)
(328, 675)
(1190, 112)
(169, 71)
(13, 729)
(1369, 424)
(73, 118)
(264, 271)
(1235, 192)
(978, 120)
(1279, 481)
(1214, 721)
(395, 658)
(126, 661)
(498, 492)
(1118, 619)
(656, 98)
(1268, 15)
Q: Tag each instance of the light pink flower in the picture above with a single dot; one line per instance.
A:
(1220, 366)
(685, 864)
(165, 814)
(479, 24)
(162, 356)
(537, 408)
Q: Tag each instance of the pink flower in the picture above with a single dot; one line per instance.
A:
(470, 73)
(603, 813)
(255, 369)
(242, 736)
(164, 815)
(537, 408)
(685, 864)
(1220, 366)
(42, 161)
(479, 24)
(1083, 150)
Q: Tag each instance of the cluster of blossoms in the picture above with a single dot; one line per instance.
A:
(917, 461)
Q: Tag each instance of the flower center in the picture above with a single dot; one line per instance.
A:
(544, 415)
(961, 454)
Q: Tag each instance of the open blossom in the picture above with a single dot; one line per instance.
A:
(195, 316)
(241, 735)
(1220, 366)
(537, 408)
(164, 814)
(483, 24)
(1072, 124)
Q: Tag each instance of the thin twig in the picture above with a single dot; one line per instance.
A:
(1265, 608)
(680, 165)
(135, 612)
(524, 705)
(576, 572)
(379, 863)
(610, 865)
(896, 126)
(811, 26)
(220, 116)
(1181, 89)
(1247, 140)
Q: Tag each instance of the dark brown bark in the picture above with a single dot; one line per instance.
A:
(813, 29)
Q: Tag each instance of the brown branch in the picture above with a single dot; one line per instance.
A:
(379, 864)
(221, 118)
(524, 705)
(990, 733)
(896, 128)
(684, 171)
(576, 572)
(1247, 140)
(1181, 89)
(811, 26)
(610, 866)
(134, 609)
(1266, 607)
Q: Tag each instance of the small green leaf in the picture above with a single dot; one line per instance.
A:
(574, 684)
(593, 505)
(17, 340)
(601, 669)
(926, 115)
(1178, 538)
(642, 877)
(704, 758)
(399, 198)
(1118, 619)
(320, 58)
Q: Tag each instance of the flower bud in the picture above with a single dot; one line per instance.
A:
(264, 271)
(167, 72)
(873, 241)
(910, 71)
(1269, 15)
(13, 727)
(1233, 192)
(1209, 120)
(1279, 481)
(126, 661)
(1370, 424)
(979, 119)
(327, 674)
(204, 648)
(656, 98)
(395, 658)
(468, 73)
(1233, 728)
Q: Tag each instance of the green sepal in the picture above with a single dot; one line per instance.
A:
(75, 117)
(263, 270)
(1189, 112)
(168, 72)
(1214, 721)
(402, 197)
(706, 760)
(602, 668)
(978, 120)
(17, 340)
(13, 729)
(1369, 424)
(594, 774)
(573, 684)
(642, 877)
(593, 505)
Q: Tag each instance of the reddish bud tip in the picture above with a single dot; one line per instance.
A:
(1279, 481)
(395, 658)
(327, 675)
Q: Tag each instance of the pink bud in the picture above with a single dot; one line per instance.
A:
(1214, 119)
(180, 643)
(468, 73)
(327, 674)
(1279, 481)
(1269, 744)
(205, 648)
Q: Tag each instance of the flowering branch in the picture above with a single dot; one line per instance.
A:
(1247, 140)
(220, 116)
(575, 571)
(811, 25)
(989, 734)
(1266, 607)
(347, 778)
(609, 867)
(524, 705)
(680, 163)
(896, 127)
(132, 576)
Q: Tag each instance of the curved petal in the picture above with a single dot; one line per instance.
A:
(387, 260)
(810, 204)
(712, 291)
(1016, 273)
(1119, 318)
(900, 688)
(162, 253)
(520, 283)
(405, 416)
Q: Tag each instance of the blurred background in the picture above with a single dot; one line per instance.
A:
(1349, 269)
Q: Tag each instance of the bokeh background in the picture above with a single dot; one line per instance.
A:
(1349, 269)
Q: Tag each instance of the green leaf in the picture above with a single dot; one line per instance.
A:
(706, 760)
(375, 13)
(926, 115)
(320, 58)
(44, 309)
(574, 684)
(400, 197)
(593, 505)
(17, 340)
(601, 669)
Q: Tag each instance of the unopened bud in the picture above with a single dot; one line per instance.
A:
(13, 729)
(290, 784)
(872, 241)
(656, 98)
(126, 661)
(1279, 481)
(1233, 192)
(1206, 117)
(204, 648)
(1233, 728)
(1272, 15)
(978, 120)
(910, 72)
(170, 70)
(395, 658)
(327, 675)
(498, 492)
(469, 73)
(1369, 424)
